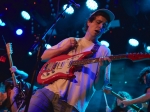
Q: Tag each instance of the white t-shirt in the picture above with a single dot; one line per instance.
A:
(80, 90)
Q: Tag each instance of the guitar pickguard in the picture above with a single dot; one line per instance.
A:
(62, 67)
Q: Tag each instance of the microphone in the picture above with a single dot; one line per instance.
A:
(75, 4)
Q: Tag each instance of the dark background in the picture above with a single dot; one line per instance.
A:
(134, 16)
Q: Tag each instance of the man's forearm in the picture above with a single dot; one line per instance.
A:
(141, 99)
(23, 74)
(50, 53)
(99, 82)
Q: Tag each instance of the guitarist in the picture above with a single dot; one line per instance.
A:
(11, 92)
(117, 105)
(65, 95)
(144, 78)
(7, 96)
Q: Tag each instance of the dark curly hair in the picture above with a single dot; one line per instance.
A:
(143, 72)
(124, 95)
(93, 16)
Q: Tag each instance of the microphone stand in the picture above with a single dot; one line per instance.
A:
(38, 47)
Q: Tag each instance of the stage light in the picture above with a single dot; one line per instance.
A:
(133, 42)
(30, 53)
(2, 23)
(69, 10)
(25, 15)
(91, 4)
(103, 42)
(19, 31)
(48, 46)
(147, 48)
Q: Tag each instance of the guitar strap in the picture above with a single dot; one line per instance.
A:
(95, 49)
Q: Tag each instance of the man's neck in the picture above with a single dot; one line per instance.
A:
(91, 38)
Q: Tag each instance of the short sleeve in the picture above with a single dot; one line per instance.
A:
(62, 43)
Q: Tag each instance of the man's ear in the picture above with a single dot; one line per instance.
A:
(88, 23)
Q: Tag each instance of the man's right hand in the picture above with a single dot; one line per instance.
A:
(70, 44)
(13, 69)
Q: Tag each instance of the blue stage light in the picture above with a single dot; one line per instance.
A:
(25, 15)
(91, 4)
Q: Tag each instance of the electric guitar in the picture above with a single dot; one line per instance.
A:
(21, 96)
(63, 66)
(109, 91)
(9, 52)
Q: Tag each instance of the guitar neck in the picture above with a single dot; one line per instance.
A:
(10, 60)
(11, 64)
(132, 106)
(95, 60)
(13, 74)
(133, 57)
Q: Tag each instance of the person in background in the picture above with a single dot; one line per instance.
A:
(144, 78)
(23, 75)
(63, 95)
(117, 105)
(10, 96)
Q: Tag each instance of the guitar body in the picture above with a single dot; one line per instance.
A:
(60, 67)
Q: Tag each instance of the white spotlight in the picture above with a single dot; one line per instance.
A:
(25, 15)
(48, 46)
(103, 42)
(133, 42)
(2, 23)
(69, 10)
(30, 53)
(148, 48)
(91, 4)
(19, 31)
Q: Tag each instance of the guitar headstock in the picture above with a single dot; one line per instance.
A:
(107, 89)
(9, 48)
(138, 56)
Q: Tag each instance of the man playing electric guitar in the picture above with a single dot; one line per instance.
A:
(67, 95)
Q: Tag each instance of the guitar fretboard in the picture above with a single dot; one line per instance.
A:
(133, 57)
(95, 60)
